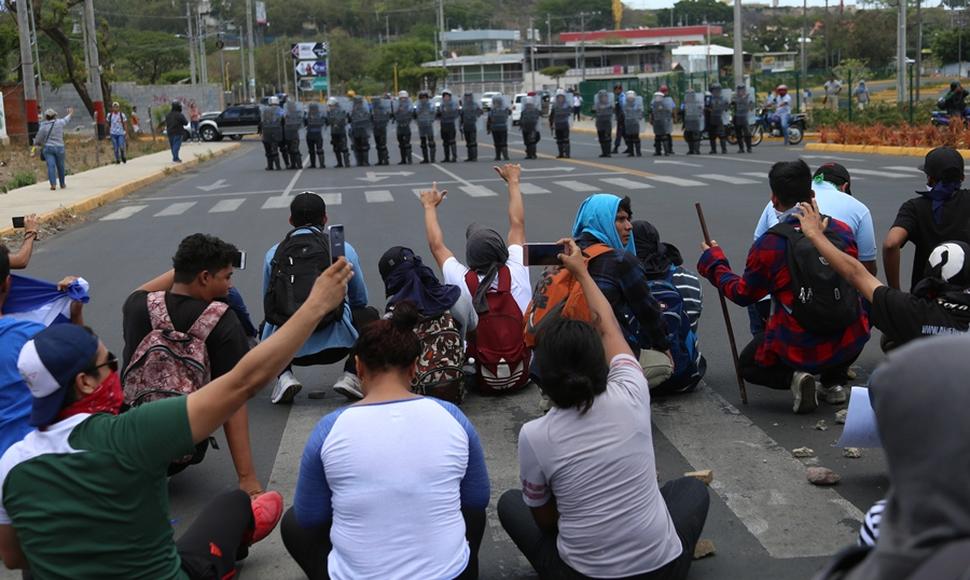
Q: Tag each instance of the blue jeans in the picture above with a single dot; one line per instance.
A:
(118, 144)
(54, 155)
(782, 119)
(175, 142)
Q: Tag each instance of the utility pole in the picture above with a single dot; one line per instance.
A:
(804, 66)
(203, 59)
(738, 51)
(548, 28)
(532, 51)
(252, 50)
(444, 41)
(188, 18)
(828, 50)
(919, 44)
(901, 54)
(27, 71)
(34, 41)
(242, 67)
(582, 43)
(94, 74)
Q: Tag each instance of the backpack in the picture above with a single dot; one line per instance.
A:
(824, 303)
(558, 293)
(168, 363)
(501, 356)
(298, 262)
(680, 332)
(439, 371)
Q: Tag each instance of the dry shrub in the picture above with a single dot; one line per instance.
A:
(924, 135)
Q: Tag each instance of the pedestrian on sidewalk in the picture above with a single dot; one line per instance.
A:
(175, 123)
(832, 88)
(135, 122)
(117, 123)
(50, 138)
(861, 95)
(194, 117)
(577, 107)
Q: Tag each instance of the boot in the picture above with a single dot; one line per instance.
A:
(297, 161)
(322, 164)
(616, 149)
(424, 153)
(639, 152)
(454, 152)
(631, 148)
(498, 152)
(365, 157)
(505, 152)
(404, 157)
(713, 147)
(276, 162)
(447, 151)
(346, 158)
(604, 149)
(433, 148)
(269, 163)
(723, 147)
(313, 160)
(560, 147)
(410, 157)
(566, 148)
(473, 153)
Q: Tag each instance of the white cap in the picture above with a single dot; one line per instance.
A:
(560, 92)
(631, 94)
(274, 100)
(403, 95)
(332, 101)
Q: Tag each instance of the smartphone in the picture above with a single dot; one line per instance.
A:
(239, 261)
(18, 222)
(336, 232)
(542, 254)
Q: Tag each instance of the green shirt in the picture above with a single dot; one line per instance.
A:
(88, 497)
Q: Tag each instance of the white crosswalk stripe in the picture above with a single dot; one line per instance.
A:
(758, 174)
(727, 178)
(625, 183)
(577, 186)
(123, 213)
(227, 205)
(875, 173)
(478, 191)
(332, 198)
(378, 196)
(417, 191)
(176, 209)
(277, 202)
(676, 180)
(531, 189)
(904, 168)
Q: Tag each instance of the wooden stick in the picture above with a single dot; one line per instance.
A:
(727, 318)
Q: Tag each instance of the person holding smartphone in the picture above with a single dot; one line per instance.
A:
(29, 224)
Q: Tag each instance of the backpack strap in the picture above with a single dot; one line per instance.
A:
(504, 279)
(208, 320)
(471, 280)
(158, 311)
(596, 250)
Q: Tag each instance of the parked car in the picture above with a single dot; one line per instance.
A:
(234, 122)
(518, 103)
(487, 99)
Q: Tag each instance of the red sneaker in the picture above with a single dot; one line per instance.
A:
(267, 512)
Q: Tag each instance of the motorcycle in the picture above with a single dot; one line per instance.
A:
(942, 118)
(765, 123)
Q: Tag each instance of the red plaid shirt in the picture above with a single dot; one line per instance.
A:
(766, 272)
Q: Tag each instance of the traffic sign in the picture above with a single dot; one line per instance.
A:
(309, 50)
(311, 68)
(309, 84)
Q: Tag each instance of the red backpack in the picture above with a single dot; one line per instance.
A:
(501, 357)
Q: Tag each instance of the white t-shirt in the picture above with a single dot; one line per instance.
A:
(600, 467)
(454, 272)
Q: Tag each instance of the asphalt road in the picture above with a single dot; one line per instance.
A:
(765, 519)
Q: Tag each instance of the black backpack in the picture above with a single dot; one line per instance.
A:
(824, 302)
(298, 261)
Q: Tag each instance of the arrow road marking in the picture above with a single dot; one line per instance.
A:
(213, 186)
(374, 176)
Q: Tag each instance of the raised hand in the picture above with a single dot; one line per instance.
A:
(432, 198)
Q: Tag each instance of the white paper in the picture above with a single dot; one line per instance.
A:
(860, 425)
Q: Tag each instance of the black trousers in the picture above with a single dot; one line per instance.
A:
(314, 145)
(779, 375)
(500, 138)
(562, 135)
(471, 142)
(310, 547)
(404, 145)
(715, 132)
(380, 141)
(687, 501)
(663, 144)
(619, 131)
(531, 139)
(338, 141)
(360, 318)
(743, 133)
(210, 548)
(449, 135)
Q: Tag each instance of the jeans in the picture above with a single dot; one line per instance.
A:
(779, 375)
(54, 156)
(210, 548)
(687, 501)
(782, 118)
(175, 142)
(118, 144)
(360, 318)
(310, 547)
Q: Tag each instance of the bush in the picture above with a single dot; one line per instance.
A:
(20, 179)
(888, 114)
(923, 135)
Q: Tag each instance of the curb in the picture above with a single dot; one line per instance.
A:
(119, 191)
(877, 149)
(676, 136)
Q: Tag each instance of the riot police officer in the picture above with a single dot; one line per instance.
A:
(632, 114)
(316, 120)
(403, 114)
(337, 119)
(271, 126)
(381, 115)
(470, 112)
(448, 115)
(741, 104)
(360, 128)
(662, 120)
(498, 125)
(425, 115)
(292, 122)
(714, 111)
(603, 109)
(562, 112)
(693, 120)
(529, 123)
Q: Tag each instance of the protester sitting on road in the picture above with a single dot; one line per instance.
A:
(939, 304)
(175, 123)
(496, 282)
(201, 275)
(50, 138)
(85, 495)
(796, 344)
(919, 396)
(831, 186)
(939, 214)
(605, 233)
(589, 505)
(396, 471)
(679, 292)
(288, 273)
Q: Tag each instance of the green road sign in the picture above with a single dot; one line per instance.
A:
(320, 83)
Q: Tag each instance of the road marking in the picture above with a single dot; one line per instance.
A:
(764, 502)
(875, 173)
(277, 202)
(531, 170)
(684, 163)
(531, 189)
(175, 209)
(832, 158)
(758, 174)
(743, 160)
(477, 191)
(213, 186)
(123, 213)
(577, 186)
(626, 183)
(676, 180)
(227, 205)
(904, 168)
(417, 191)
(296, 176)
(378, 196)
(332, 198)
(726, 178)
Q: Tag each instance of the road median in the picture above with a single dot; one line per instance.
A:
(876, 149)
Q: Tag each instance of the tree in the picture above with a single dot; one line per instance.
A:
(555, 72)
(148, 55)
(945, 45)
(694, 12)
(565, 14)
(403, 53)
(416, 77)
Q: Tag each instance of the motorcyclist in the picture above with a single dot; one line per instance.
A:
(781, 103)
(954, 101)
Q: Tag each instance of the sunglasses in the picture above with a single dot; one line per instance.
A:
(111, 363)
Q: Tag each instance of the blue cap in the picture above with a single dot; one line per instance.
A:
(49, 363)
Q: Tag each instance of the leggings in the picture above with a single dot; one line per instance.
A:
(210, 548)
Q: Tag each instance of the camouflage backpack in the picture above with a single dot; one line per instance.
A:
(440, 372)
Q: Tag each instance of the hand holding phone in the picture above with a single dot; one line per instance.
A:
(546, 254)
(18, 222)
(336, 233)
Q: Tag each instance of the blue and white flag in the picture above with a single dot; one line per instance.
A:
(41, 302)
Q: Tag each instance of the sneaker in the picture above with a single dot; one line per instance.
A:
(349, 386)
(835, 395)
(804, 393)
(287, 386)
(267, 512)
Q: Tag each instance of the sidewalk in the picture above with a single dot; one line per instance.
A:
(91, 189)
(588, 125)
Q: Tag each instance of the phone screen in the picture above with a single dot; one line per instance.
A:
(336, 232)
(18, 222)
(542, 254)
(239, 261)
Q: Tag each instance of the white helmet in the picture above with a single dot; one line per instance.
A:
(403, 95)
(274, 100)
(560, 92)
(631, 94)
(332, 101)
